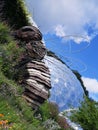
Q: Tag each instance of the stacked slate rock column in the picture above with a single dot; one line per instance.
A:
(35, 75)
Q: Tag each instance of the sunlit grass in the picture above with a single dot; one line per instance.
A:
(9, 118)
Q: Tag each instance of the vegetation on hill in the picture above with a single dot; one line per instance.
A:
(87, 115)
(52, 54)
(15, 112)
(14, 13)
(79, 78)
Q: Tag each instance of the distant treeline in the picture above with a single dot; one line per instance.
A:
(79, 78)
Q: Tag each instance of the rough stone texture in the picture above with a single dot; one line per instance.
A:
(28, 33)
(35, 78)
(30, 38)
(36, 50)
(32, 73)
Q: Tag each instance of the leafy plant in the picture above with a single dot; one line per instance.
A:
(87, 115)
(9, 52)
(63, 123)
(4, 34)
(51, 125)
(49, 110)
(10, 58)
(14, 108)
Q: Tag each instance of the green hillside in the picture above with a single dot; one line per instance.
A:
(15, 112)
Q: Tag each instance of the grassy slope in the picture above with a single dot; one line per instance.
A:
(15, 114)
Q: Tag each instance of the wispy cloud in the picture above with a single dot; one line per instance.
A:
(65, 17)
(59, 31)
(91, 84)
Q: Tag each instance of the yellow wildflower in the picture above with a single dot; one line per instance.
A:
(1, 115)
(6, 121)
(3, 122)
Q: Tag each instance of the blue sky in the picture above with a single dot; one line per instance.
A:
(70, 29)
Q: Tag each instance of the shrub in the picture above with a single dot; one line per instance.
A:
(54, 110)
(9, 58)
(51, 125)
(4, 34)
(49, 110)
(9, 52)
(62, 122)
(87, 115)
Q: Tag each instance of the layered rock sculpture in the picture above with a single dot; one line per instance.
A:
(28, 33)
(33, 74)
(37, 83)
(36, 50)
(30, 38)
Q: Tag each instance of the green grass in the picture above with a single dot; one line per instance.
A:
(15, 109)
(18, 115)
(15, 119)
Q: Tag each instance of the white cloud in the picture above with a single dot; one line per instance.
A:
(78, 38)
(71, 15)
(59, 30)
(90, 84)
